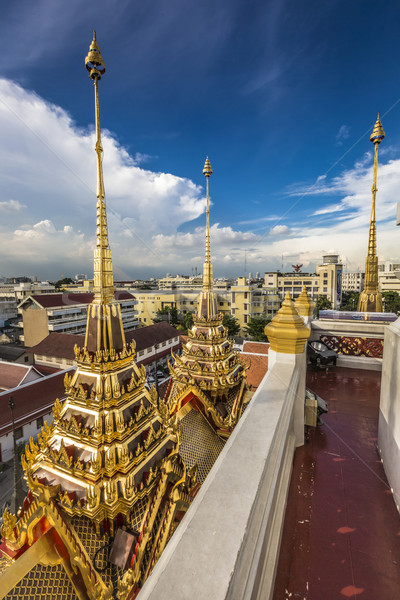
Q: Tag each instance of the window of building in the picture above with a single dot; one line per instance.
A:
(325, 290)
(26, 358)
(163, 344)
(141, 353)
(245, 318)
(149, 350)
(19, 433)
(245, 295)
(39, 422)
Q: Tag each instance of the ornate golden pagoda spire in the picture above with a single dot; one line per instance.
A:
(103, 275)
(207, 302)
(370, 298)
(207, 272)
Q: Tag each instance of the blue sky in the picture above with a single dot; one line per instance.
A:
(282, 96)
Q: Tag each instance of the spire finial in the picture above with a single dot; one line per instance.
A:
(103, 276)
(207, 301)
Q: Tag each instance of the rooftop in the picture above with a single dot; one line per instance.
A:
(61, 345)
(70, 299)
(341, 536)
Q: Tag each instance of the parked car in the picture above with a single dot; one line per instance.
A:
(320, 354)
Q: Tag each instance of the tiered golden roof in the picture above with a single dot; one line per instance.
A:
(370, 298)
(209, 367)
(110, 457)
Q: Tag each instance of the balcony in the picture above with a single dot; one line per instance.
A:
(340, 531)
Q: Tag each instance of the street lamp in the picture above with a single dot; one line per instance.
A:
(18, 493)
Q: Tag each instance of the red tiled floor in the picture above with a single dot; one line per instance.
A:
(341, 536)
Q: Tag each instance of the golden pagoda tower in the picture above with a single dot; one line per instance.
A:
(209, 371)
(370, 298)
(109, 460)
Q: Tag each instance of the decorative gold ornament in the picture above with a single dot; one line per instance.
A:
(287, 332)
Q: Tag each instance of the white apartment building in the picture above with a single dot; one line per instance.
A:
(353, 282)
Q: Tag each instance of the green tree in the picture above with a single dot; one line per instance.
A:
(61, 282)
(187, 321)
(255, 328)
(168, 313)
(323, 303)
(391, 301)
(350, 301)
(232, 325)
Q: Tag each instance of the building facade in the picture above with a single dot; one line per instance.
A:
(353, 282)
(326, 281)
(65, 313)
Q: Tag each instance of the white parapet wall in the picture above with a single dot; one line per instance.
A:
(389, 413)
(227, 545)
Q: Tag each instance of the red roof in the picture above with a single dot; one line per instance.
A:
(152, 334)
(256, 347)
(72, 298)
(258, 368)
(61, 345)
(12, 374)
(32, 400)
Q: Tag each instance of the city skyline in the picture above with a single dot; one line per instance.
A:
(268, 92)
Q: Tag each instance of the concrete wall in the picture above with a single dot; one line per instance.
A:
(36, 326)
(389, 414)
(227, 545)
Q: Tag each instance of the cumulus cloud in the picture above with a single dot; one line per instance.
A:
(279, 230)
(47, 164)
(11, 206)
(47, 203)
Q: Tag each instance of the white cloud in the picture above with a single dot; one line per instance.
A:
(329, 209)
(11, 206)
(342, 134)
(49, 165)
(279, 230)
(48, 168)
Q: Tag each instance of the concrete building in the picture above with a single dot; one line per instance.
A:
(185, 301)
(248, 300)
(353, 282)
(11, 294)
(34, 401)
(389, 277)
(65, 313)
(326, 281)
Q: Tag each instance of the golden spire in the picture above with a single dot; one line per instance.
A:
(370, 298)
(207, 308)
(103, 276)
(207, 272)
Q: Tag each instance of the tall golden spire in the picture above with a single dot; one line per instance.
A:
(207, 302)
(370, 298)
(207, 271)
(103, 275)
